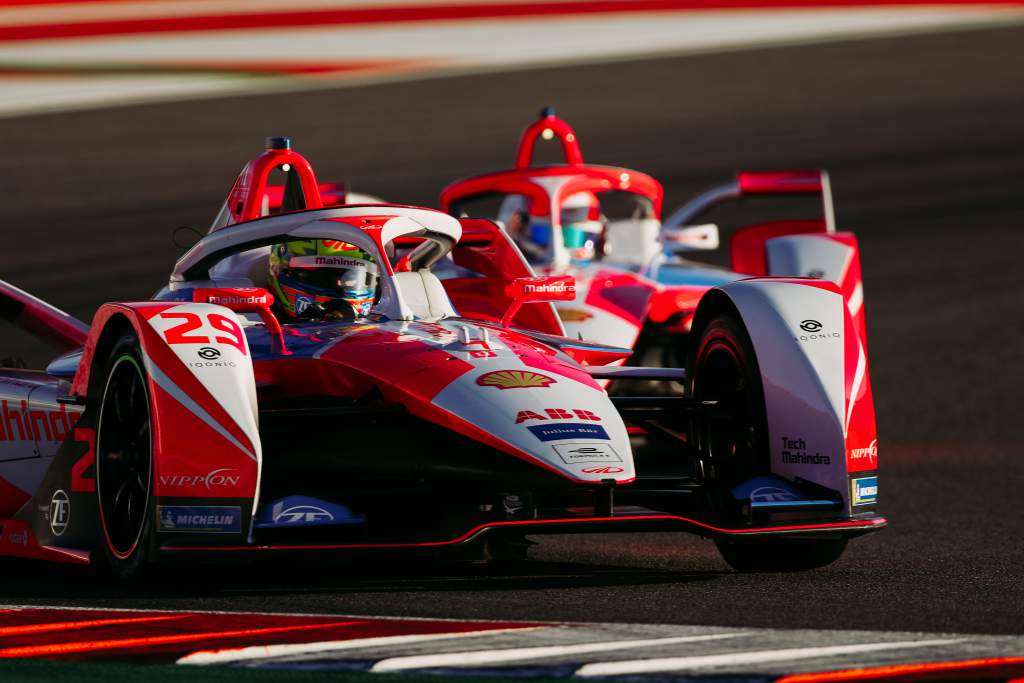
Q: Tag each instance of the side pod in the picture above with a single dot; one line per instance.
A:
(814, 370)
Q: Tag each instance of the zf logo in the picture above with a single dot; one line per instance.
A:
(301, 514)
(60, 513)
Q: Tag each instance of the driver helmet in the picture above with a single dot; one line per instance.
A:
(582, 226)
(323, 278)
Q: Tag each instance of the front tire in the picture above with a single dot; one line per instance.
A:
(780, 554)
(725, 370)
(124, 463)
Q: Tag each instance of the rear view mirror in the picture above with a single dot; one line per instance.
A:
(238, 299)
(525, 290)
(690, 238)
(245, 300)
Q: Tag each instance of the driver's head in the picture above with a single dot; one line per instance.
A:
(314, 278)
(582, 225)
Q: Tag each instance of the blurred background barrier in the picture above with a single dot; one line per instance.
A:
(87, 53)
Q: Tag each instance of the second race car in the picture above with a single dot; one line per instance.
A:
(635, 288)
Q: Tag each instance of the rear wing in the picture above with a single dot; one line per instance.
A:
(757, 183)
(40, 318)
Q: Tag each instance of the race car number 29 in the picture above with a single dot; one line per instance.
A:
(182, 332)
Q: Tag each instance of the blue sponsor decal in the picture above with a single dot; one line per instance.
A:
(865, 490)
(767, 489)
(210, 520)
(767, 492)
(569, 430)
(295, 511)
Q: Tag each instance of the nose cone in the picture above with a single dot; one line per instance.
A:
(561, 423)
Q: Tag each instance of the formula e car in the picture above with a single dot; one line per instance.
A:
(602, 224)
(454, 415)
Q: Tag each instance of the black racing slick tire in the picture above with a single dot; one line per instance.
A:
(124, 463)
(725, 370)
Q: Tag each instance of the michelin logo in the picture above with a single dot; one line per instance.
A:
(865, 491)
(209, 520)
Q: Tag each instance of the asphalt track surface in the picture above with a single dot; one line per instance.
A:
(924, 137)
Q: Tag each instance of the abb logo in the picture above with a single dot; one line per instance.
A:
(557, 414)
(182, 333)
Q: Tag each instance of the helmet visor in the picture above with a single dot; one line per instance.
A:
(576, 235)
(343, 283)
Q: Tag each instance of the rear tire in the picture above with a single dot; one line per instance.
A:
(124, 463)
(725, 370)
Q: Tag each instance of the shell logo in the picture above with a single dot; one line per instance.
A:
(514, 379)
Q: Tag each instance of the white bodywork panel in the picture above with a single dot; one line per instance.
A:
(632, 241)
(797, 331)
(562, 423)
(586, 321)
(808, 256)
(691, 238)
(228, 376)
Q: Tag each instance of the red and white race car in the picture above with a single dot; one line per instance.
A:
(453, 414)
(602, 225)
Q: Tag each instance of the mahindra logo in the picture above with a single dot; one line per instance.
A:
(209, 481)
(603, 470)
(557, 287)
(810, 326)
(229, 300)
(338, 261)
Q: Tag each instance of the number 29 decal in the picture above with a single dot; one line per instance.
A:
(183, 332)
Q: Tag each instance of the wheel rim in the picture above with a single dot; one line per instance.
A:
(123, 457)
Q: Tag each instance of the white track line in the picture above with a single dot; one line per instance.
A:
(490, 657)
(258, 652)
(735, 659)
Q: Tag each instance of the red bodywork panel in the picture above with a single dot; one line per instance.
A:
(746, 247)
(486, 250)
(245, 201)
(780, 182)
(583, 179)
(179, 436)
(41, 319)
(331, 194)
(548, 126)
